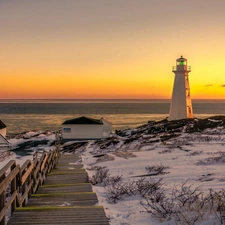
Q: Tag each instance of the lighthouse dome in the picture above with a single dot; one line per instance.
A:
(181, 59)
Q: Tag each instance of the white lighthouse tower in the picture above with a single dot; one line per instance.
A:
(181, 105)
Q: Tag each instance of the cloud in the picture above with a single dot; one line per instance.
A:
(223, 85)
(208, 85)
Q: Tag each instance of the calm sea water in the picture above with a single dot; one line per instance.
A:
(25, 115)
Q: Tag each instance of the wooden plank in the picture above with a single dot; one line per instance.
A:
(65, 188)
(2, 200)
(24, 166)
(64, 185)
(25, 195)
(63, 194)
(6, 167)
(9, 178)
(72, 208)
(75, 215)
(67, 172)
(44, 162)
(13, 188)
(8, 204)
(27, 173)
(62, 167)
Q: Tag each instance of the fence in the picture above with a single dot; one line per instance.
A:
(18, 183)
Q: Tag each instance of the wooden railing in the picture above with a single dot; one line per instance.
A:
(18, 183)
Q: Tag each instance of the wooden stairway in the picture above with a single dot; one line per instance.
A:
(65, 198)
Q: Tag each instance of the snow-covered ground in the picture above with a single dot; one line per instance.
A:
(189, 164)
(192, 161)
(36, 140)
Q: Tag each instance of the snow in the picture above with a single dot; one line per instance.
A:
(14, 142)
(196, 158)
(183, 163)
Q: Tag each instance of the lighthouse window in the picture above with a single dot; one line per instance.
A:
(181, 63)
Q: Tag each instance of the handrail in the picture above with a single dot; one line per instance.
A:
(6, 167)
(18, 183)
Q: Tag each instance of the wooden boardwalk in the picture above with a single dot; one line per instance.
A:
(65, 198)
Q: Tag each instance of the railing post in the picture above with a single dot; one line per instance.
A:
(2, 201)
(23, 191)
(13, 189)
(29, 180)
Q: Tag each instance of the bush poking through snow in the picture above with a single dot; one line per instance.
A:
(218, 204)
(142, 187)
(185, 194)
(101, 173)
(157, 169)
(102, 176)
(186, 205)
(166, 151)
(148, 187)
(116, 191)
(195, 153)
(159, 205)
(213, 160)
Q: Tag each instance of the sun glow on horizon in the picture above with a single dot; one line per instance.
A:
(123, 50)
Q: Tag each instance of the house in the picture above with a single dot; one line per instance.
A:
(2, 129)
(84, 128)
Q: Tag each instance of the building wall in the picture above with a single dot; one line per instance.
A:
(82, 131)
(3, 132)
(107, 128)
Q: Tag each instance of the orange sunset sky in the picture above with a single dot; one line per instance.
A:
(81, 49)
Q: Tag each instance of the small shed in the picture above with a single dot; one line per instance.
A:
(84, 128)
(2, 129)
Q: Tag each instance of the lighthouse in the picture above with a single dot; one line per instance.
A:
(181, 105)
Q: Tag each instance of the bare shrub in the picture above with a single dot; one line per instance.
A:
(190, 203)
(119, 189)
(212, 160)
(185, 194)
(186, 204)
(218, 204)
(148, 187)
(159, 205)
(111, 180)
(157, 169)
(195, 153)
(101, 173)
(142, 187)
(102, 176)
(166, 151)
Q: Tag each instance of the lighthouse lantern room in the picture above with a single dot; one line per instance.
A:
(181, 105)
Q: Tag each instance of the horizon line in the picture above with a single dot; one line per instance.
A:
(105, 99)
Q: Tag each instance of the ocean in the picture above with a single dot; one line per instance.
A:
(26, 115)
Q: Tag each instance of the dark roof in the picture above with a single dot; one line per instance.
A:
(2, 125)
(83, 120)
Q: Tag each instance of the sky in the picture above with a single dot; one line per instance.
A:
(109, 49)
